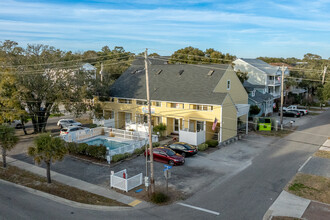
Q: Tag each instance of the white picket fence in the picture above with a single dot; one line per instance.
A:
(194, 138)
(118, 181)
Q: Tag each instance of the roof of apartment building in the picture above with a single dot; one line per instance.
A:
(172, 83)
(261, 65)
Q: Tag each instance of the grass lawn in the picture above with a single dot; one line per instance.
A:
(322, 153)
(279, 133)
(310, 187)
(28, 179)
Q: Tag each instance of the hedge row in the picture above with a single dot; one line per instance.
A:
(202, 147)
(137, 151)
(95, 151)
(212, 143)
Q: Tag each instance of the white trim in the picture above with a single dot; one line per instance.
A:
(220, 132)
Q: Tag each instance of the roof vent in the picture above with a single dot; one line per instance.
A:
(138, 70)
(210, 72)
(158, 72)
(180, 72)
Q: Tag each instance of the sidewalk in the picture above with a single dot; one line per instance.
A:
(294, 206)
(108, 193)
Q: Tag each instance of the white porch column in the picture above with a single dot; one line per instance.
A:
(204, 128)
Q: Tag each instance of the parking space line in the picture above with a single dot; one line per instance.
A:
(302, 166)
(198, 208)
(134, 203)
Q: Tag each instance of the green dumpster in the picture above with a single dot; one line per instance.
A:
(265, 124)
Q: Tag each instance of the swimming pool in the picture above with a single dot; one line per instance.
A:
(109, 144)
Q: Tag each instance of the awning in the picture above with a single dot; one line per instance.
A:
(242, 109)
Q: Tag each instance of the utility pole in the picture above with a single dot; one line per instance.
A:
(101, 72)
(152, 180)
(282, 96)
(324, 71)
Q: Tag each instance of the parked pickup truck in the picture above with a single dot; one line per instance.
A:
(294, 107)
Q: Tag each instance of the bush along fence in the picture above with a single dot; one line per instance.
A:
(94, 151)
(137, 151)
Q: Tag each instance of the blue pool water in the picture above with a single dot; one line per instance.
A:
(109, 144)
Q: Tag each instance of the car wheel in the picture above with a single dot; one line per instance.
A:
(295, 116)
(171, 162)
(183, 154)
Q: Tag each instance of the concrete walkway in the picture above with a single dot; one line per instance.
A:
(287, 204)
(291, 205)
(111, 194)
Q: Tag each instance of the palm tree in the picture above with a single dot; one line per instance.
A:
(8, 140)
(48, 149)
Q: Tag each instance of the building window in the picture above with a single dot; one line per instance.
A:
(175, 105)
(201, 107)
(157, 104)
(228, 84)
(139, 102)
(125, 101)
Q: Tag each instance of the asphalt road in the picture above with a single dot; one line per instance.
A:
(245, 195)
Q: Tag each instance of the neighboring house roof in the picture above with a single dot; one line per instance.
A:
(193, 85)
(161, 60)
(250, 87)
(261, 65)
(88, 67)
(260, 97)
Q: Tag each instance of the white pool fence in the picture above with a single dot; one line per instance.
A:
(121, 181)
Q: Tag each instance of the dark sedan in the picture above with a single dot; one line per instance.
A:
(291, 113)
(182, 148)
(166, 155)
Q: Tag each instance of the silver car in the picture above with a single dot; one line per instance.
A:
(63, 123)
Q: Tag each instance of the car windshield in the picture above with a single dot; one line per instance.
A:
(170, 152)
(71, 121)
(187, 146)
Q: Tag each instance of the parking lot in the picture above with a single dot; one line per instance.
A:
(198, 172)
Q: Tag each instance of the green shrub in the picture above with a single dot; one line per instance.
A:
(119, 157)
(202, 147)
(92, 125)
(96, 151)
(139, 151)
(159, 197)
(72, 147)
(160, 128)
(82, 148)
(212, 143)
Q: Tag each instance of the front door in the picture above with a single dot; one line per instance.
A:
(176, 125)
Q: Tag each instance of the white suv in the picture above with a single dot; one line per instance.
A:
(67, 122)
(67, 130)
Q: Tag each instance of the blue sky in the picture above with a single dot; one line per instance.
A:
(243, 28)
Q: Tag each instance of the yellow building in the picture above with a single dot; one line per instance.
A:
(187, 98)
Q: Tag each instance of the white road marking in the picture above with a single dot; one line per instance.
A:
(302, 166)
(198, 208)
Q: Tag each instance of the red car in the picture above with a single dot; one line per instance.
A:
(166, 155)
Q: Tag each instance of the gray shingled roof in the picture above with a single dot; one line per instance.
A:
(263, 66)
(251, 87)
(161, 60)
(260, 97)
(192, 86)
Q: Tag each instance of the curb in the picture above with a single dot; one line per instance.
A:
(66, 201)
